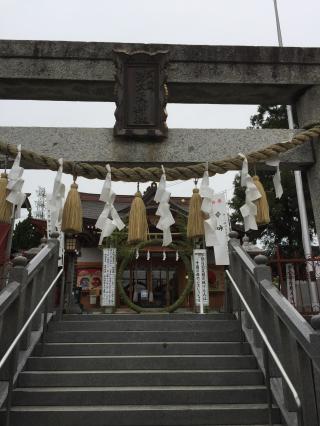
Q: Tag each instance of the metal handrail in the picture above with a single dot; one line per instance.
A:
(10, 350)
(270, 350)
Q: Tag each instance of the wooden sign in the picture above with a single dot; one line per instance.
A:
(109, 272)
(200, 271)
(141, 94)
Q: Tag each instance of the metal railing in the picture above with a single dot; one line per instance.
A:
(267, 349)
(299, 281)
(11, 354)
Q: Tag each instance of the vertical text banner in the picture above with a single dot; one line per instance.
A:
(109, 271)
(200, 270)
(221, 252)
(291, 283)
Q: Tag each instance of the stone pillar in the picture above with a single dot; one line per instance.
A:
(308, 111)
(308, 108)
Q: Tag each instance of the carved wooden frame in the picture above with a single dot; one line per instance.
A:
(150, 112)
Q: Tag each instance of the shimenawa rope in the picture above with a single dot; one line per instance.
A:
(140, 174)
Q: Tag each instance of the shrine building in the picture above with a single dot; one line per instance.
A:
(155, 276)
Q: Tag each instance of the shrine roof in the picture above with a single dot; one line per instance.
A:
(92, 206)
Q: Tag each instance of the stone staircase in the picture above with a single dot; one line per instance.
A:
(161, 370)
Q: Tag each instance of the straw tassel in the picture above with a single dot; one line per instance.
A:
(5, 206)
(195, 227)
(138, 224)
(263, 217)
(72, 212)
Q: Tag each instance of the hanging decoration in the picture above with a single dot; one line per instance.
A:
(249, 209)
(104, 222)
(72, 211)
(5, 205)
(55, 200)
(164, 255)
(277, 176)
(15, 184)
(138, 224)
(166, 220)
(137, 254)
(195, 226)
(210, 224)
(263, 216)
(148, 255)
(177, 256)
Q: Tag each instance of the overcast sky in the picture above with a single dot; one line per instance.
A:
(214, 22)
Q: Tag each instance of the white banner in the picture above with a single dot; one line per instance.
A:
(200, 271)
(221, 251)
(291, 283)
(109, 272)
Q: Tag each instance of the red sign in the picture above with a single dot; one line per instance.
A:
(89, 279)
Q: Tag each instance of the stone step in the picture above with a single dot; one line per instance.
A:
(147, 317)
(151, 395)
(147, 325)
(164, 362)
(143, 348)
(141, 378)
(143, 415)
(143, 336)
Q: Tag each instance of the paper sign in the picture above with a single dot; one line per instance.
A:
(109, 272)
(200, 270)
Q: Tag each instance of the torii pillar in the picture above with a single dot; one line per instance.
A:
(308, 112)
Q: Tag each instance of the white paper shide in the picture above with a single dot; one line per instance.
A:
(109, 273)
(15, 184)
(55, 202)
(249, 209)
(104, 222)
(210, 224)
(166, 220)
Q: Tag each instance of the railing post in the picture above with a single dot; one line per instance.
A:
(15, 320)
(231, 301)
(53, 268)
(260, 272)
(19, 274)
(31, 301)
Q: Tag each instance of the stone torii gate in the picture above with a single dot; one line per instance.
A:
(79, 71)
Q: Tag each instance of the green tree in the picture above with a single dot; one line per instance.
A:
(270, 117)
(25, 235)
(284, 228)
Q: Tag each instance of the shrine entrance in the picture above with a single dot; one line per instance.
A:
(154, 283)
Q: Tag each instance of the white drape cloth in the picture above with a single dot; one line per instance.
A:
(210, 224)
(104, 222)
(249, 209)
(15, 184)
(276, 177)
(55, 200)
(162, 197)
